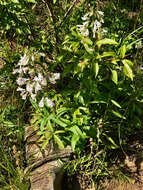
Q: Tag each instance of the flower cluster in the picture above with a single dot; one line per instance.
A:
(84, 27)
(96, 25)
(30, 82)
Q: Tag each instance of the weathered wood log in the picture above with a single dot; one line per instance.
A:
(42, 165)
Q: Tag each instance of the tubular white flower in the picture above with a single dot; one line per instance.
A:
(100, 13)
(83, 29)
(20, 89)
(49, 102)
(44, 82)
(29, 87)
(85, 17)
(56, 76)
(21, 81)
(33, 96)
(41, 103)
(53, 77)
(24, 60)
(37, 87)
(24, 95)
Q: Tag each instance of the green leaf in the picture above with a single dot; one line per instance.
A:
(123, 51)
(106, 41)
(59, 122)
(59, 132)
(43, 123)
(112, 142)
(109, 54)
(15, 1)
(118, 114)
(116, 103)
(114, 76)
(45, 143)
(31, 1)
(96, 69)
(49, 126)
(54, 1)
(130, 63)
(89, 50)
(58, 141)
(87, 41)
(74, 141)
(128, 71)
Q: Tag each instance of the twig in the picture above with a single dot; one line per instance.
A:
(66, 14)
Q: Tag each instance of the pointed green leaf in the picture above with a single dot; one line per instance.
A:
(31, 1)
(128, 71)
(114, 76)
(109, 54)
(130, 63)
(118, 114)
(112, 142)
(43, 123)
(58, 141)
(96, 69)
(106, 41)
(87, 41)
(74, 141)
(15, 1)
(116, 103)
(123, 51)
(45, 143)
(49, 126)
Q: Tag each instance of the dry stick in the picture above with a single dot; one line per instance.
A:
(54, 22)
(66, 14)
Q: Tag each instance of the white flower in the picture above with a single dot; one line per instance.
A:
(101, 20)
(100, 13)
(33, 96)
(23, 61)
(20, 70)
(20, 89)
(24, 95)
(85, 17)
(49, 102)
(56, 76)
(24, 69)
(32, 58)
(37, 87)
(41, 103)
(83, 29)
(96, 27)
(39, 78)
(44, 82)
(85, 24)
(21, 81)
(104, 31)
(15, 71)
(29, 87)
(31, 73)
(86, 32)
(42, 54)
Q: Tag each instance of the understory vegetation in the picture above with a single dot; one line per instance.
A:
(72, 70)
